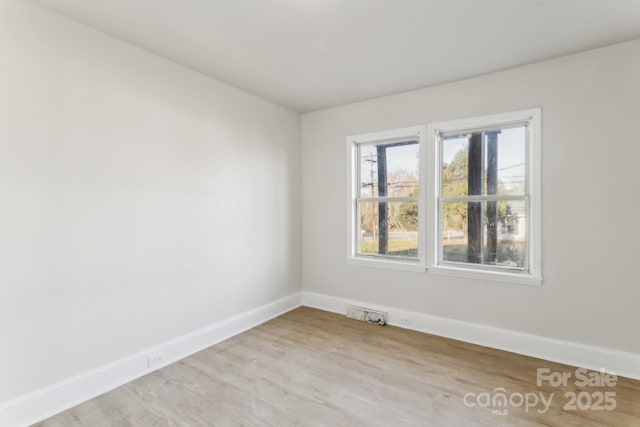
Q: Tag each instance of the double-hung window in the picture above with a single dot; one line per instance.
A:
(386, 208)
(471, 208)
(485, 196)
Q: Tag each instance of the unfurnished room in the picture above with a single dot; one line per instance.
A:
(319, 213)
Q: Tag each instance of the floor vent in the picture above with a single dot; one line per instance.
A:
(367, 315)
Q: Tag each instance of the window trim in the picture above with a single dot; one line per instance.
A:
(532, 117)
(412, 132)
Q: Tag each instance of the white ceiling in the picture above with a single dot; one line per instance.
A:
(312, 54)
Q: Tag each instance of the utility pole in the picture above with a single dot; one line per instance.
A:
(474, 215)
(371, 160)
(492, 189)
(383, 208)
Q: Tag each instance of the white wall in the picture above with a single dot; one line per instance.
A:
(591, 157)
(139, 200)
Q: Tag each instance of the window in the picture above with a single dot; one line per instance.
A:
(485, 195)
(471, 208)
(385, 202)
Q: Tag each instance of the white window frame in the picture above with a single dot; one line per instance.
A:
(532, 119)
(415, 133)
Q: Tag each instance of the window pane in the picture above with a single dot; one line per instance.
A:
(455, 231)
(455, 161)
(389, 170)
(484, 163)
(510, 164)
(402, 170)
(368, 171)
(395, 234)
(510, 234)
(488, 233)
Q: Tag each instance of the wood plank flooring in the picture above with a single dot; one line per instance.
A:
(313, 368)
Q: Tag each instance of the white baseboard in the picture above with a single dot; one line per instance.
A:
(569, 353)
(41, 404)
(38, 405)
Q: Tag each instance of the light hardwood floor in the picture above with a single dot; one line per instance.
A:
(313, 368)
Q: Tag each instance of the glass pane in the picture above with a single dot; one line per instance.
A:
(368, 171)
(485, 163)
(455, 161)
(509, 235)
(402, 170)
(510, 165)
(455, 231)
(488, 233)
(395, 234)
(389, 170)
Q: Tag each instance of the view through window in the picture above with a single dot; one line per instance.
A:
(484, 197)
(459, 197)
(388, 185)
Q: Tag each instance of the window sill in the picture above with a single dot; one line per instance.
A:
(490, 276)
(387, 263)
